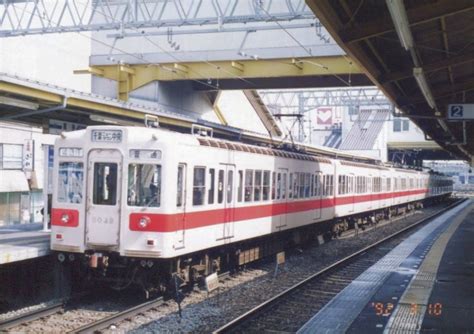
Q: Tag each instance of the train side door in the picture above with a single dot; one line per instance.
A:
(318, 190)
(181, 206)
(282, 194)
(226, 199)
(104, 180)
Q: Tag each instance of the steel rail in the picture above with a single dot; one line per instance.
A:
(237, 322)
(31, 316)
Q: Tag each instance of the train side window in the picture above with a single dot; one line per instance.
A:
(273, 185)
(389, 185)
(312, 185)
(339, 186)
(180, 186)
(257, 190)
(105, 183)
(278, 186)
(301, 188)
(199, 185)
(71, 182)
(240, 184)
(220, 187)
(212, 186)
(290, 186)
(230, 185)
(144, 185)
(318, 184)
(296, 185)
(266, 185)
(306, 185)
(248, 185)
(283, 186)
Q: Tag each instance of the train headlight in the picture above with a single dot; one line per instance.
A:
(65, 218)
(144, 222)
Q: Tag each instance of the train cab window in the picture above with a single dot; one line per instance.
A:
(105, 183)
(71, 182)
(199, 185)
(212, 186)
(230, 185)
(144, 185)
(258, 186)
(273, 185)
(266, 185)
(240, 184)
(180, 186)
(248, 185)
(220, 187)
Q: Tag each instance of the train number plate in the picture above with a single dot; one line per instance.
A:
(108, 136)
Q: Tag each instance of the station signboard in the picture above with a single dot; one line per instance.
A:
(460, 112)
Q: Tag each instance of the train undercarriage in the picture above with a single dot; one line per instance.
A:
(158, 276)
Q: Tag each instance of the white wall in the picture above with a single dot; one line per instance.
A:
(50, 58)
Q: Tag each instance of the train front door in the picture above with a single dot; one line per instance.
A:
(104, 179)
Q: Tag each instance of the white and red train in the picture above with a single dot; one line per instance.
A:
(173, 203)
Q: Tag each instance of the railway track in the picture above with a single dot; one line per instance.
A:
(289, 310)
(92, 327)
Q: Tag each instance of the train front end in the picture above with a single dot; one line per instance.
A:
(107, 194)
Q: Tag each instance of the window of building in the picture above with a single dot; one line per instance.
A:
(400, 125)
(11, 156)
(144, 185)
(70, 182)
(199, 185)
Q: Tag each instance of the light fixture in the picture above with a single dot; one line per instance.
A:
(400, 21)
(423, 84)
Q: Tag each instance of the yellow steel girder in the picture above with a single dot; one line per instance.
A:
(131, 77)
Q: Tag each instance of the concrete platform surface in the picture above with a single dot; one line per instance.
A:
(18, 245)
(424, 285)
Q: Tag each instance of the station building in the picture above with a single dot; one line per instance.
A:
(22, 162)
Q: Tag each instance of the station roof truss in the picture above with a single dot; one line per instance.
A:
(242, 74)
(26, 17)
(434, 46)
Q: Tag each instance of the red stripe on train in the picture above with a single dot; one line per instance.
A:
(189, 220)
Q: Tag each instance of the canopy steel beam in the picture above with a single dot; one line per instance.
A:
(131, 77)
(26, 17)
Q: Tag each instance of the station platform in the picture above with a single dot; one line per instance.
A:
(23, 242)
(424, 285)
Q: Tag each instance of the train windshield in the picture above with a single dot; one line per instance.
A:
(144, 185)
(71, 182)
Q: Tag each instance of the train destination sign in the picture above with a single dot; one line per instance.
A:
(461, 112)
(109, 136)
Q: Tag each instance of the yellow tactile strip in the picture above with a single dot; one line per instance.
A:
(408, 316)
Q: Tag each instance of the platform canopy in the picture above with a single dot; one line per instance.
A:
(418, 52)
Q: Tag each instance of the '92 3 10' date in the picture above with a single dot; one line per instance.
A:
(386, 309)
